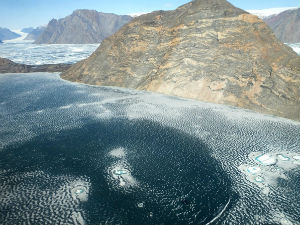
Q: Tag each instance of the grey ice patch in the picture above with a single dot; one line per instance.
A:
(141, 205)
(77, 218)
(120, 177)
(118, 152)
(79, 190)
(269, 167)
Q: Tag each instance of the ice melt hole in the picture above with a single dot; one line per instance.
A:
(283, 158)
(79, 191)
(119, 172)
(259, 179)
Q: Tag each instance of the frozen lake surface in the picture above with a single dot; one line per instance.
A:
(79, 154)
(33, 54)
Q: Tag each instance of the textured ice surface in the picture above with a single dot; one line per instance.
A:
(186, 162)
(118, 152)
(254, 169)
(34, 54)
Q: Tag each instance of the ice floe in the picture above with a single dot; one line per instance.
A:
(266, 159)
(269, 167)
(118, 152)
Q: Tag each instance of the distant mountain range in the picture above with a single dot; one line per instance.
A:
(207, 50)
(286, 25)
(82, 27)
(90, 26)
(35, 33)
(6, 34)
(27, 29)
(264, 13)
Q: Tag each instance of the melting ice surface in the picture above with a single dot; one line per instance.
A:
(36, 54)
(79, 154)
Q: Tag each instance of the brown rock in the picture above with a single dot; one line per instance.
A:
(206, 50)
(8, 66)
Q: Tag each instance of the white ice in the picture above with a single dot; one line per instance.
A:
(263, 13)
(118, 152)
(266, 159)
(254, 169)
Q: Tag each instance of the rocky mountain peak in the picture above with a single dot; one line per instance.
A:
(82, 26)
(84, 12)
(52, 22)
(206, 50)
(211, 9)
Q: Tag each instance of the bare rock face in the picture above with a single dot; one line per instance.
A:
(286, 25)
(206, 50)
(82, 27)
(8, 66)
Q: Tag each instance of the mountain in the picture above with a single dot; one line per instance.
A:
(6, 34)
(286, 25)
(27, 29)
(8, 66)
(35, 33)
(207, 50)
(264, 13)
(82, 27)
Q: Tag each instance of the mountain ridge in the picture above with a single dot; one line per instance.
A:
(286, 25)
(6, 34)
(265, 13)
(205, 50)
(35, 33)
(82, 27)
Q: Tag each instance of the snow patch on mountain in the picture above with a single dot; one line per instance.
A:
(19, 39)
(263, 13)
(136, 14)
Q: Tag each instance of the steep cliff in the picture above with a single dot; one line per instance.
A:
(82, 27)
(206, 50)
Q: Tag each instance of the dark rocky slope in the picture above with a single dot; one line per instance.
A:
(286, 25)
(8, 66)
(206, 50)
(82, 27)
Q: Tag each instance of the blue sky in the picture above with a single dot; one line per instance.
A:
(17, 14)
